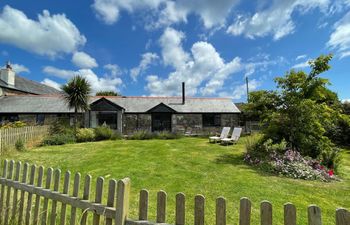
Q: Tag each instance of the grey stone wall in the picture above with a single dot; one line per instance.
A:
(181, 123)
(134, 122)
(187, 123)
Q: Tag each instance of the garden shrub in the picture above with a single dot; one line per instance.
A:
(20, 145)
(103, 133)
(15, 124)
(142, 135)
(116, 135)
(85, 135)
(60, 126)
(166, 135)
(59, 139)
(279, 159)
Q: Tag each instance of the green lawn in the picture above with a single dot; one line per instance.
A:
(192, 166)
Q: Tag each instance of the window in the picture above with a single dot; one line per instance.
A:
(40, 119)
(211, 120)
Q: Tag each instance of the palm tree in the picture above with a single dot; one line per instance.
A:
(77, 92)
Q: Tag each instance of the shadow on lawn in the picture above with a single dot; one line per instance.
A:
(237, 160)
(233, 159)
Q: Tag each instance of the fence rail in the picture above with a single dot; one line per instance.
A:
(26, 201)
(9, 136)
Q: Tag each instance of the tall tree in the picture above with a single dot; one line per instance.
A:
(303, 111)
(107, 93)
(77, 92)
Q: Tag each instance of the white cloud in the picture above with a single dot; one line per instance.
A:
(172, 51)
(105, 83)
(50, 35)
(275, 20)
(241, 90)
(345, 100)
(51, 83)
(53, 71)
(203, 70)
(108, 10)
(299, 57)
(83, 60)
(148, 58)
(166, 12)
(339, 39)
(302, 65)
(113, 69)
(18, 68)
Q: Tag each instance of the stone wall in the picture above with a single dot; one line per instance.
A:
(181, 123)
(192, 123)
(187, 123)
(134, 122)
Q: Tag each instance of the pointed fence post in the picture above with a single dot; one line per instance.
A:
(46, 200)
(15, 194)
(199, 202)
(123, 193)
(65, 191)
(180, 209)
(37, 198)
(143, 205)
(266, 213)
(98, 199)
(314, 215)
(73, 211)
(111, 198)
(30, 195)
(290, 214)
(221, 211)
(245, 211)
(342, 217)
(2, 196)
(86, 195)
(8, 194)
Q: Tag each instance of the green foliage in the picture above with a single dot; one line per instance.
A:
(60, 127)
(107, 93)
(141, 135)
(331, 159)
(85, 135)
(166, 135)
(261, 104)
(77, 92)
(15, 124)
(20, 145)
(103, 133)
(147, 135)
(59, 139)
(302, 111)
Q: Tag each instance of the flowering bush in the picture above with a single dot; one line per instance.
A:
(280, 160)
(291, 164)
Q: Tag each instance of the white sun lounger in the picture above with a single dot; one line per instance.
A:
(236, 134)
(224, 134)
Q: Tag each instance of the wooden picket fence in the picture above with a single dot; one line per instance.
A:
(17, 205)
(9, 136)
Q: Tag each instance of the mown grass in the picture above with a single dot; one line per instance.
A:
(192, 166)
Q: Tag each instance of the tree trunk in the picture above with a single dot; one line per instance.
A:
(75, 119)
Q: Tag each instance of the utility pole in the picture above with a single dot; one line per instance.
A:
(247, 83)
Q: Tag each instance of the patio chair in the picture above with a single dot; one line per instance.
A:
(236, 134)
(224, 134)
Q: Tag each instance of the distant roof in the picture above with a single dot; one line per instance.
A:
(29, 86)
(56, 104)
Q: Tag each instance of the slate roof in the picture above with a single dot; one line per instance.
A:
(29, 86)
(56, 104)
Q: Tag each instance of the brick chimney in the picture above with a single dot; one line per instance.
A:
(8, 75)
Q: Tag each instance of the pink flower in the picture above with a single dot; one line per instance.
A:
(331, 173)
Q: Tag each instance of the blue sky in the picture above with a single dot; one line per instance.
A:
(148, 47)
